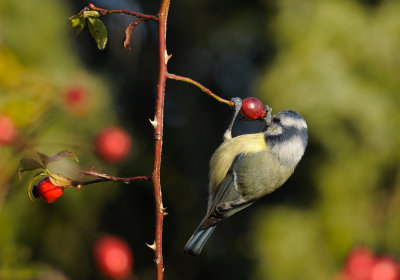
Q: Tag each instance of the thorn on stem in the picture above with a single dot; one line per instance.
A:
(152, 246)
(154, 123)
(167, 57)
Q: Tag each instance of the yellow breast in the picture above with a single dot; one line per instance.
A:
(223, 157)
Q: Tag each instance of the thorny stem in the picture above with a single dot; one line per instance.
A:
(157, 123)
(158, 135)
(203, 88)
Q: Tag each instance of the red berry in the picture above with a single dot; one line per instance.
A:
(8, 131)
(113, 144)
(113, 257)
(252, 108)
(77, 101)
(385, 268)
(359, 264)
(75, 96)
(47, 190)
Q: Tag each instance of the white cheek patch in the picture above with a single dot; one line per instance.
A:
(297, 123)
(290, 151)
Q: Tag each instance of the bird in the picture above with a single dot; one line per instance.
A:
(247, 167)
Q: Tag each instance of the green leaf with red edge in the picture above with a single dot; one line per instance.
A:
(77, 21)
(98, 31)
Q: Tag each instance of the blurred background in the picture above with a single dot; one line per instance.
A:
(335, 62)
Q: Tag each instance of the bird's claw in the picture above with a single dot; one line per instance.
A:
(238, 107)
(228, 134)
(238, 104)
(268, 115)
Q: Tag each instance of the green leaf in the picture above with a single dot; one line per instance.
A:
(60, 180)
(91, 13)
(64, 154)
(98, 31)
(77, 21)
(45, 159)
(28, 164)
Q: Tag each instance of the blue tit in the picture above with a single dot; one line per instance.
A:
(247, 167)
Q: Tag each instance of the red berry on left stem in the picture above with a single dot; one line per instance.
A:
(46, 190)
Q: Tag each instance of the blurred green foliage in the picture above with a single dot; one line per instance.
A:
(37, 69)
(338, 65)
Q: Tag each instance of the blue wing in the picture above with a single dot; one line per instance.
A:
(226, 202)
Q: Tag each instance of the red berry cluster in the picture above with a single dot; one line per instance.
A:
(113, 257)
(362, 264)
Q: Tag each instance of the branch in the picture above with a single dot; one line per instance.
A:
(158, 135)
(101, 177)
(124, 11)
(203, 88)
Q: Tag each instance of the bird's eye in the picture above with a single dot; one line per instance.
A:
(277, 120)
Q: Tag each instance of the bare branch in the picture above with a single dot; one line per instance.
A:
(102, 177)
(158, 135)
(200, 86)
(124, 11)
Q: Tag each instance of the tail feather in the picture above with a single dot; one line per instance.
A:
(198, 240)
